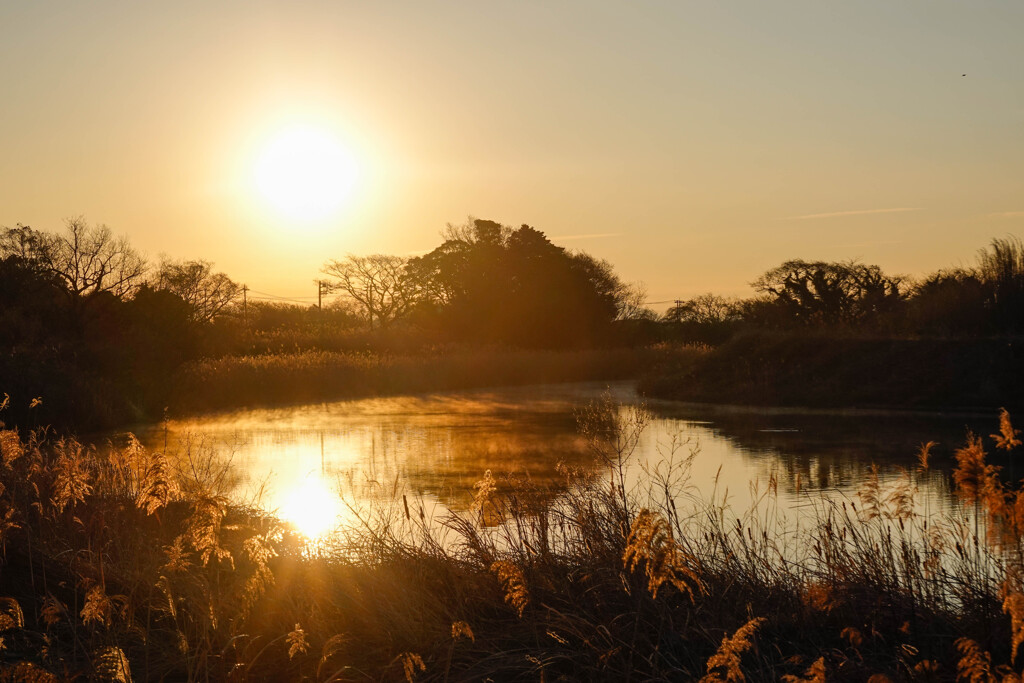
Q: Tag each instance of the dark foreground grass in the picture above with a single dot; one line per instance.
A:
(128, 565)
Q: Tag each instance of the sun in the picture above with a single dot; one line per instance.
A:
(304, 173)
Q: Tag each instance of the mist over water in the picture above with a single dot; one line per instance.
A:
(311, 463)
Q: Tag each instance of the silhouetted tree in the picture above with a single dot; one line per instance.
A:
(631, 304)
(377, 284)
(91, 259)
(23, 244)
(493, 283)
(706, 309)
(829, 293)
(949, 302)
(206, 293)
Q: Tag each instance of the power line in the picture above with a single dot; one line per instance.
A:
(265, 296)
(281, 299)
(276, 296)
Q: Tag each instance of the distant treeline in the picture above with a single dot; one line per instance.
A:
(845, 334)
(846, 296)
(102, 336)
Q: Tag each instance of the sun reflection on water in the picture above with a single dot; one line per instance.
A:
(311, 506)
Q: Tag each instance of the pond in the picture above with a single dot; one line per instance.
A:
(311, 464)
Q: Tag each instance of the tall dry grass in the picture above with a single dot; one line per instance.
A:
(127, 564)
(284, 378)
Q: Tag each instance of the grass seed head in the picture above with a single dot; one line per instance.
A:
(650, 544)
(1006, 439)
(724, 665)
(514, 583)
(297, 643)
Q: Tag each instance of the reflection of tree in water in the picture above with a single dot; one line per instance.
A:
(436, 447)
(835, 451)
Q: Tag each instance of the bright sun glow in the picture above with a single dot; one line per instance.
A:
(305, 173)
(312, 507)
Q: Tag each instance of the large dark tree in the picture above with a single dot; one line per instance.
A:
(489, 282)
(377, 285)
(829, 293)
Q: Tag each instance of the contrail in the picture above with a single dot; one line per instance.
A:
(860, 212)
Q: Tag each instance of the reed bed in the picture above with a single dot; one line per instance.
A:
(127, 564)
(286, 378)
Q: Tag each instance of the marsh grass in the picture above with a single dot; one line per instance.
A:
(128, 564)
(287, 378)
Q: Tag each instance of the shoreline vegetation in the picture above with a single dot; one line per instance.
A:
(92, 336)
(829, 371)
(131, 564)
(311, 376)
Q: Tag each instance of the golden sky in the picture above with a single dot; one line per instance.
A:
(692, 144)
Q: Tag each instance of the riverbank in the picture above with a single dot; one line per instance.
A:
(105, 398)
(313, 376)
(819, 371)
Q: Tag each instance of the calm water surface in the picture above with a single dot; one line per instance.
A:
(310, 463)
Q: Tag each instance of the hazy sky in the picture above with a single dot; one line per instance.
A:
(692, 144)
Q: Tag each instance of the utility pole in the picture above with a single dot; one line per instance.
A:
(245, 305)
(320, 287)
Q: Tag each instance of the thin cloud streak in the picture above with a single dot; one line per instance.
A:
(861, 212)
(1006, 214)
(864, 244)
(592, 235)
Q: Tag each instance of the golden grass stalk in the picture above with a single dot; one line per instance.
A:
(157, 486)
(204, 527)
(870, 495)
(485, 488)
(98, 606)
(974, 478)
(71, 475)
(52, 611)
(11, 615)
(975, 664)
(924, 454)
(815, 673)
(297, 643)
(110, 665)
(514, 584)
(650, 543)
(411, 663)
(461, 629)
(1006, 439)
(11, 447)
(724, 665)
(1013, 605)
